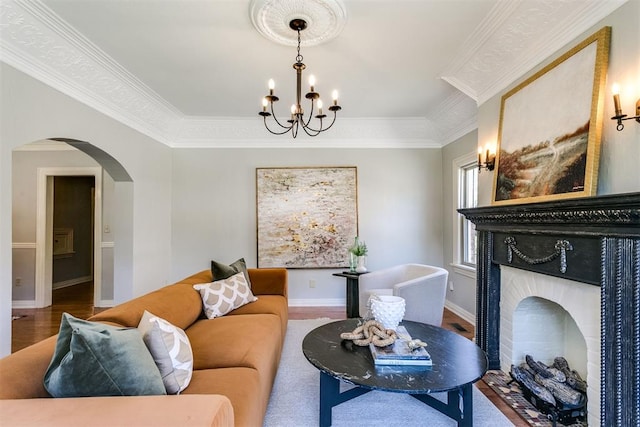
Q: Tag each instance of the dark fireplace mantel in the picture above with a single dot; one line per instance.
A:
(594, 240)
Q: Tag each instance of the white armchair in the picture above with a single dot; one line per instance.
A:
(422, 286)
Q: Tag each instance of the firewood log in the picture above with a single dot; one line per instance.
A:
(527, 380)
(538, 367)
(573, 378)
(563, 393)
(558, 375)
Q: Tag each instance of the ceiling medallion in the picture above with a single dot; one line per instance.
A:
(325, 19)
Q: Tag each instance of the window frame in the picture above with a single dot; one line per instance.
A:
(460, 165)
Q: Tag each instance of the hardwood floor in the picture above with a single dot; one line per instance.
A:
(34, 325)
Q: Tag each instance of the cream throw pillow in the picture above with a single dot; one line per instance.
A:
(222, 296)
(171, 350)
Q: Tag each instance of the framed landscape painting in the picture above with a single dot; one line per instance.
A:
(306, 217)
(550, 128)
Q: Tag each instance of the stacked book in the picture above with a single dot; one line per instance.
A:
(399, 353)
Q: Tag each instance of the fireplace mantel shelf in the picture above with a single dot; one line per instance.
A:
(612, 215)
(594, 240)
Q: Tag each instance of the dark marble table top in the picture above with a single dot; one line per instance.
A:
(457, 361)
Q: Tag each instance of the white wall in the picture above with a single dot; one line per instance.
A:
(214, 213)
(31, 111)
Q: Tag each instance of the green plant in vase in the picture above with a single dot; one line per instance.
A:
(358, 254)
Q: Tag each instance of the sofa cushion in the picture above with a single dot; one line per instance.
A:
(170, 349)
(221, 271)
(240, 385)
(94, 359)
(157, 411)
(175, 303)
(222, 296)
(252, 341)
(267, 304)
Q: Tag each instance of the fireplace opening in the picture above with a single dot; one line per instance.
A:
(547, 317)
(545, 330)
(543, 334)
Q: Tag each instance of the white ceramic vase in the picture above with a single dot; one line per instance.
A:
(388, 310)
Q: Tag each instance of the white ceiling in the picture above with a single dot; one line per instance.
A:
(193, 72)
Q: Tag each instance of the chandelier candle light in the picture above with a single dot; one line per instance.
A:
(297, 119)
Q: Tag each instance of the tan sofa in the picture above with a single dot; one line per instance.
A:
(235, 361)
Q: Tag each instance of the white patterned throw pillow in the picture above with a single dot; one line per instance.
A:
(222, 296)
(171, 350)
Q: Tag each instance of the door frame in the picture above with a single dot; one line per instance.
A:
(44, 231)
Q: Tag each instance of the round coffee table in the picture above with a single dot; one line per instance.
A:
(457, 364)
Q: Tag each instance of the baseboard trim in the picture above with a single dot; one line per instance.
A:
(325, 302)
(456, 309)
(23, 304)
(32, 304)
(106, 303)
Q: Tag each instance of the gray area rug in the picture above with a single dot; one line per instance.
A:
(295, 397)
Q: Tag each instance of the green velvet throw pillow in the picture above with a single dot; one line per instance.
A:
(95, 359)
(222, 271)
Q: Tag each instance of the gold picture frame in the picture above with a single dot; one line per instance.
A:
(550, 128)
(307, 217)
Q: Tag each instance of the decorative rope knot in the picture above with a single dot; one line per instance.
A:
(373, 332)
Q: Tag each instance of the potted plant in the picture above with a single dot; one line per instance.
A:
(358, 256)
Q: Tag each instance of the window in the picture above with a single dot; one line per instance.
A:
(465, 170)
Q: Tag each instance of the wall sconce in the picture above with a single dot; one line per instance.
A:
(619, 117)
(489, 160)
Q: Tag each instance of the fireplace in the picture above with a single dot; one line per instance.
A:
(591, 245)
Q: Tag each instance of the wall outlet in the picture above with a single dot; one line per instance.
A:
(312, 283)
(18, 281)
(451, 285)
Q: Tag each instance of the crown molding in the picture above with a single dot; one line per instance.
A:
(200, 132)
(39, 43)
(515, 37)
(454, 118)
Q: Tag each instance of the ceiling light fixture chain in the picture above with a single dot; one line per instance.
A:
(299, 57)
(297, 119)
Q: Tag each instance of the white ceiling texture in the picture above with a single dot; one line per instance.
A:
(192, 73)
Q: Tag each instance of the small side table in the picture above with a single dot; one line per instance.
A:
(353, 294)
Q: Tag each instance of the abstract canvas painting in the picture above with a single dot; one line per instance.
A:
(307, 217)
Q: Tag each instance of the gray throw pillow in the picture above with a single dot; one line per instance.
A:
(222, 271)
(95, 359)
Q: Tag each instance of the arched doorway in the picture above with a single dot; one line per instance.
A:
(112, 259)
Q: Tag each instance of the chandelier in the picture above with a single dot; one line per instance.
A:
(298, 120)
